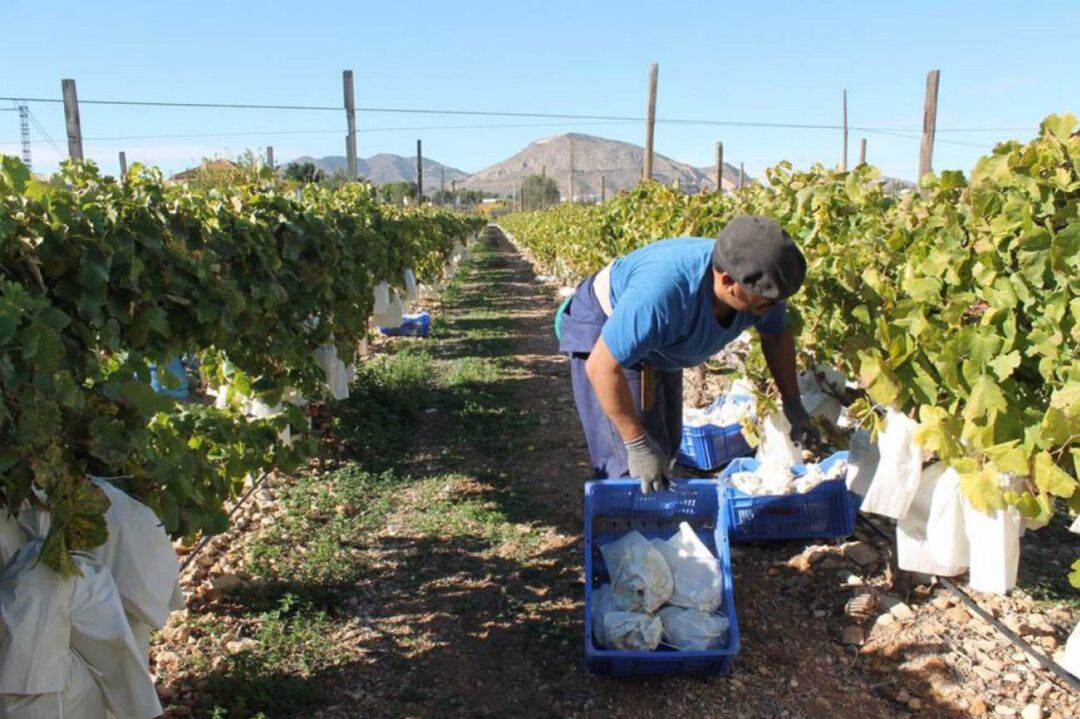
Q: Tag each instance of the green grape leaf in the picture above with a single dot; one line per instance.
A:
(982, 488)
(1051, 478)
(1004, 365)
(1074, 575)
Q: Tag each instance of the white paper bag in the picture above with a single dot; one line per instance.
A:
(81, 698)
(337, 374)
(640, 577)
(776, 445)
(411, 291)
(945, 529)
(692, 630)
(995, 542)
(863, 458)
(1071, 659)
(11, 536)
(695, 573)
(35, 625)
(616, 628)
(140, 556)
(897, 477)
(819, 395)
(913, 550)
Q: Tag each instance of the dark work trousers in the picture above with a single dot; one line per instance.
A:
(580, 328)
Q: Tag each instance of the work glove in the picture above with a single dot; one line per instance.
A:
(803, 433)
(646, 460)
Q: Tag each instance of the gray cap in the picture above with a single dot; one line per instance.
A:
(759, 255)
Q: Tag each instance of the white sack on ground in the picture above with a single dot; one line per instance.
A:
(101, 635)
(616, 628)
(640, 577)
(945, 529)
(140, 557)
(692, 630)
(897, 477)
(81, 698)
(35, 625)
(863, 457)
(776, 445)
(695, 573)
(913, 550)
(996, 539)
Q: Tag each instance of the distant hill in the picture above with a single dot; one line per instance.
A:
(384, 168)
(619, 163)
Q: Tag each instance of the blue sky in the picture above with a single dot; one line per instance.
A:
(1003, 65)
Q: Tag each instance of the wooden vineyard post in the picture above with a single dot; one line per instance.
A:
(742, 176)
(543, 187)
(720, 167)
(926, 152)
(650, 122)
(123, 165)
(453, 191)
(603, 189)
(350, 119)
(442, 184)
(419, 175)
(843, 156)
(71, 117)
(270, 156)
(862, 151)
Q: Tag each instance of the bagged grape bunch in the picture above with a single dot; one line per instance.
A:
(615, 627)
(692, 630)
(697, 583)
(640, 577)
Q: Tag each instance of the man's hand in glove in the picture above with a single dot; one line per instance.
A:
(803, 433)
(648, 462)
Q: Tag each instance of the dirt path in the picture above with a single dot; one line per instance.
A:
(442, 575)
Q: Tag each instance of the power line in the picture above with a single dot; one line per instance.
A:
(490, 113)
(48, 138)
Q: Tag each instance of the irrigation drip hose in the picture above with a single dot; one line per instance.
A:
(986, 616)
(202, 542)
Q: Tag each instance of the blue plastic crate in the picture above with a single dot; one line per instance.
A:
(177, 379)
(613, 508)
(825, 512)
(411, 326)
(710, 446)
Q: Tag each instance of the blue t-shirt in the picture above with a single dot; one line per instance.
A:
(662, 307)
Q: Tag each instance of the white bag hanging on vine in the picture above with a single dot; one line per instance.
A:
(140, 557)
(35, 625)
(776, 445)
(863, 458)
(11, 536)
(898, 471)
(946, 531)
(819, 388)
(692, 630)
(1070, 656)
(914, 552)
(995, 537)
(412, 293)
(640, 577)
(81, 698)
(695, 574)
(337, 376)
(382, 298)
(1075, 526)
